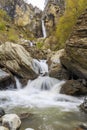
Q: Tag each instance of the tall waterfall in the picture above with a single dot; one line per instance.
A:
(44, 29)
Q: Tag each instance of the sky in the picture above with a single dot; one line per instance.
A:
(38, 3)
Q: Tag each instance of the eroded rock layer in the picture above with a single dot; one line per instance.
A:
(75, 57)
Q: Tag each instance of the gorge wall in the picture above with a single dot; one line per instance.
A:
(75, 57)
(52, 12)
(24, 15)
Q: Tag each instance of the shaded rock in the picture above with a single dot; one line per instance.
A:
(81, 127)
(25, 115)
(74, 88)
(17, 60)
(2, 112)
(3, 128)
(75, 57)
(6, 80)
(11, 121)
(56, 70)
(35, 52)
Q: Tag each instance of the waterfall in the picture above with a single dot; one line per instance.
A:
(18, 84)
(44, 29)
(41, 92)
(40, 67)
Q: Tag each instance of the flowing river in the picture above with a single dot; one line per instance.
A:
(49, 109)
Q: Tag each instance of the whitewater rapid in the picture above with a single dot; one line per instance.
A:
(41, 92)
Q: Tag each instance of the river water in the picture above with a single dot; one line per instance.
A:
(49, 109)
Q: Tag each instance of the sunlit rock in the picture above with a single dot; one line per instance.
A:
(3, 128)
(12, 121)
(15, 58)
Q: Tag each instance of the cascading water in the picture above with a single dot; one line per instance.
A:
(44, 29)
(42, 93)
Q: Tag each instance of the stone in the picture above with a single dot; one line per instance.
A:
(2, 112)
(11, 121)
(56, 70)
(81, 127)
(75, 57)
(29, 129)
(17, 60)
(6, 80)
(83, 106)
(74, 88)
(3, 128)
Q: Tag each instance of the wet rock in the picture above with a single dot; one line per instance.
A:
(2, 112)
(81, 127)
(6, 80)
(83, 106)
(16, 59)
(3, 128)
(74, 88)
(75, 57)
(11, 121)
(25, 115)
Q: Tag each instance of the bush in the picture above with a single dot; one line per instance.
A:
(67, 21)
(12, 36)
(2, 25)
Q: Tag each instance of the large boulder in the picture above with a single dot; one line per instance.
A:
(75, 57)
(17, 60)
(6, 80)
(11, 121)
(74, 88)
(56, 70)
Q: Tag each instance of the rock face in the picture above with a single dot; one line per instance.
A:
(56, 70)
(17, 60)
(53, 10)
(24, 15)
(74, 88)
(11, 121)
(6, 79)
(75, 57)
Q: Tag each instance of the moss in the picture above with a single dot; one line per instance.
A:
(12, 35)
(40, 44)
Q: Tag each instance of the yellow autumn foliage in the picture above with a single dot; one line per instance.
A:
(64, 27)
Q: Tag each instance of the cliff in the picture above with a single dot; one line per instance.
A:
(52, 12)
(75, 57)
(24, 15)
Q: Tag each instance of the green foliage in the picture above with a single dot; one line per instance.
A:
(40, 44)
(73, 9)
(2, 25)
(12, 36)
(4, 16)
